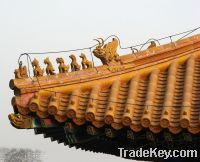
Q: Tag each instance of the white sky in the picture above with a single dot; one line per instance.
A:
(47, 25)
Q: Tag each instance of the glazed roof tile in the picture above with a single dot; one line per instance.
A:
(157, 90)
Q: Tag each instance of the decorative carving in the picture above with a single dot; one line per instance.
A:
(91, 130)
(86, 64)
(21, 72)
(111, 133)
(37, 71)
(107, 53)
(153, 44)
(62, 67)
(74, 65)
(49, 69)
(20, 121)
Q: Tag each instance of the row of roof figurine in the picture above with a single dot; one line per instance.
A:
(106, 53)
(21, 72)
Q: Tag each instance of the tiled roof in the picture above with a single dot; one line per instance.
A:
(158, 89)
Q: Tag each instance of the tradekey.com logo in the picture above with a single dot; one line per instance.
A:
(157, 153)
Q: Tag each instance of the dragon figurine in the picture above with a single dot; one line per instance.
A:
(107, 53)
